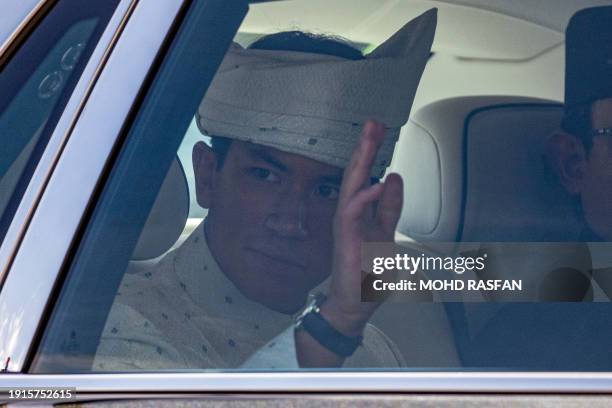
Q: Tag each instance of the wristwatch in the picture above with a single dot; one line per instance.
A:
(322, 331)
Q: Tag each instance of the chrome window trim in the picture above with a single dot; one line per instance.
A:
(29, 282)
(14, 14)
(59, 137)
(23, 28)
(362, 382)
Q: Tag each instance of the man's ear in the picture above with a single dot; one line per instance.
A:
(567, 157)
(205, 171)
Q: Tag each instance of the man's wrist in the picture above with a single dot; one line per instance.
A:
(350, 324)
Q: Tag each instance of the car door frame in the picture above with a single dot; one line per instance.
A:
(60, 192)
(43, 169)
(75, 166)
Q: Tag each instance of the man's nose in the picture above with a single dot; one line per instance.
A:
(288, 216)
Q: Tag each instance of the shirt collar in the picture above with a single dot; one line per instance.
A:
(212, 290)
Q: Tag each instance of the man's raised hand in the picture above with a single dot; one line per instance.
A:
(366, 212)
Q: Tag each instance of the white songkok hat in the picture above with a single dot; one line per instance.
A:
(315, 105)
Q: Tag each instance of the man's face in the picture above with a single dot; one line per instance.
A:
(596, 186)
(589, 174)
(269, 224)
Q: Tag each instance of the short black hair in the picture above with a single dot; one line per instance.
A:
(220, 146)
(298, 41)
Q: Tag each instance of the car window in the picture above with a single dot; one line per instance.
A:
(265, 222)
(167, 111)
(36, 84)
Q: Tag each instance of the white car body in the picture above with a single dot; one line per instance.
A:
(60, 192)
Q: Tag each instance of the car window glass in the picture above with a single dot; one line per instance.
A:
(36, 84)
(156, 133)
(224, 228)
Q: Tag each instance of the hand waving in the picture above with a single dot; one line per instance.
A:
(366, 213)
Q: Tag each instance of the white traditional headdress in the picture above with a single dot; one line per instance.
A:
(315, 105)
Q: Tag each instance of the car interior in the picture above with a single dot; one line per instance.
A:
(472, 156)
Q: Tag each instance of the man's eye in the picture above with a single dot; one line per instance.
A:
(264, 174)
(328, 191)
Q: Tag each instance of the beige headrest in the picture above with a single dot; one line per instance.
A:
(474, 170)
(168, 216)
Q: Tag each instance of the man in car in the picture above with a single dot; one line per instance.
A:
(582, 153)
(291, 184)
(565, 336)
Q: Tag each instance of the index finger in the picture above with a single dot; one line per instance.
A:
(357, 173)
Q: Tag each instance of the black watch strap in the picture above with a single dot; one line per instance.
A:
(330, 338)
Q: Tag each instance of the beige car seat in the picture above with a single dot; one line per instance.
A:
(166, 220)
(475, 171)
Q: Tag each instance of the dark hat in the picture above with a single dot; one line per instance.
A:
(588, 56)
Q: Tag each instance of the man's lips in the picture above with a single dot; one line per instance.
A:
(278, 258)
